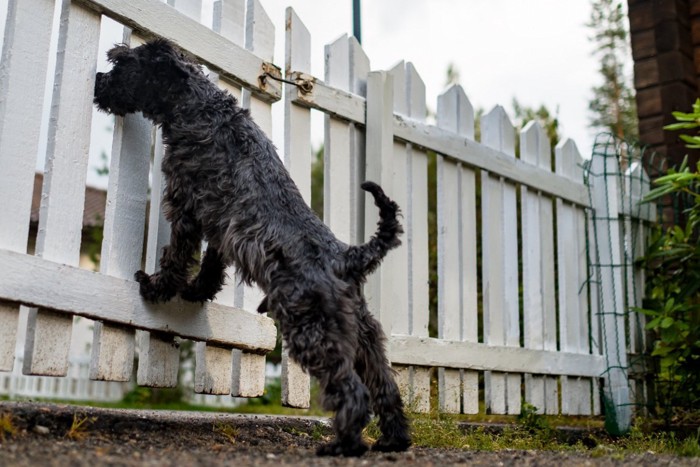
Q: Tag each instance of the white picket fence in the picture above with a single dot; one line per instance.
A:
(517, 310)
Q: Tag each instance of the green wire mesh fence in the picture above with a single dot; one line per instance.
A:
(618, 177)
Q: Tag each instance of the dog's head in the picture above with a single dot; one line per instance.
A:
(148, 78)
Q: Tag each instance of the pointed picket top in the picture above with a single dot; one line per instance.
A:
(337, 66)
(535, 147)
(260, 32)
(568, 160)
(298, 40)
(398, 73)
(359, 67)
(455, 113)
(637, 186)
(415, 93)
(229, 18)
(498, 132)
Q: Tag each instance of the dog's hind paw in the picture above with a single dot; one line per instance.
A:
(336, 448)
(391, 445)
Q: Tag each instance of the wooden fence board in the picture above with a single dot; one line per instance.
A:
(152, 17)
(296, 383)
(500, 267)
(73, 290)
(457, 239)
(539, 308)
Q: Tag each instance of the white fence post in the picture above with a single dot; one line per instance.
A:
(457, 261)
(574, 325)
(296, 389)
(61, 218)
(607, 261)
(249, 368)
(539, 306)
(500, 265)
(23, 66)
(113, 347)
(410, 191)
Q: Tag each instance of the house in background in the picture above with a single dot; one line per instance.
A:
(665, 37)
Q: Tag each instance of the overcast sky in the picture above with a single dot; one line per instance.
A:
(536, 50)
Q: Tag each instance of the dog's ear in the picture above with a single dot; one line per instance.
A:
(167, 59)
(119, 52)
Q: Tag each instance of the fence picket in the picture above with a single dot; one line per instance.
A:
(500, 265)
(249, 368)
(539, 312)
(214, 364)
(27, 34)
(379, 290)
(457, 276)
(636, 186)
(60, 222)
(296, 389)
(409, 189)
(573, 301)
(113, 347)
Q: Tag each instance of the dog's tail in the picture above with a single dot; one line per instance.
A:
(365, 258)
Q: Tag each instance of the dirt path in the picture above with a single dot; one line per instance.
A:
(169, 438)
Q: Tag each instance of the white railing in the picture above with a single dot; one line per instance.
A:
(515, 299)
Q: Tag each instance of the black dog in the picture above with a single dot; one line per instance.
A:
(226, 184)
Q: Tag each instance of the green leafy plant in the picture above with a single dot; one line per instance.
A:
(673, 288)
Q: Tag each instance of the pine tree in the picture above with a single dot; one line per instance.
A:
(613, 106)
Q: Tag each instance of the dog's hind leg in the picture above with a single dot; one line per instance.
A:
(209, 280)
(373, 367)
(323, 341)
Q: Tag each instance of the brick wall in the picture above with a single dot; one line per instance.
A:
(665, 37)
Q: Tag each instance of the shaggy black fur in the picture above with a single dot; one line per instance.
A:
(227, 185)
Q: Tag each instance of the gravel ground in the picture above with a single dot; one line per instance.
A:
(173, 438)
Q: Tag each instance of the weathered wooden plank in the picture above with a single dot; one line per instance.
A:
(296, 383)
(9, 318)
(346, 69)
(431, 352)
(457, 275)
(539, 308)
(159, 360)
(213, 369)
(61, 213)
(152, 17)
(410, 263)
(25, 52)
(500, 271)
(379, 145)
(122, 246)
(248, 374)
(573, 320)
(72, 290)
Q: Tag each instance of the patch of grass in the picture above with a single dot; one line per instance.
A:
(227, 431)
(78, 429)
(7, 427)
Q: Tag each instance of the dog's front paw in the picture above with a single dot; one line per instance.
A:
(152, 288)
(193, 293)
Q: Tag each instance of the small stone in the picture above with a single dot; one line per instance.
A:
(271, 456)
(41, 430)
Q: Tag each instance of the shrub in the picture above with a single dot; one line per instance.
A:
(673, 265)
